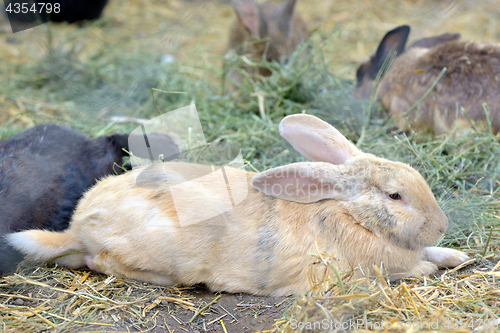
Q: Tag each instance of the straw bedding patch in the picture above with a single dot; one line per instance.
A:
(459, 300)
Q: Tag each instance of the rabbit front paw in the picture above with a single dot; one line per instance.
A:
(445, 258)
(424, 268)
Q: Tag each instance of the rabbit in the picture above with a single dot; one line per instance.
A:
(472, 78)
(43, 173)
(278, 26)
(362, 209)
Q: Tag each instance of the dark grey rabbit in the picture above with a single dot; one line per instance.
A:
(470, 80)
(70, 11)
(278, 25)
(43, 173)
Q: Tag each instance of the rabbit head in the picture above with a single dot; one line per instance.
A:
(365, 210)
(387, 199)
(391, 199)
(266, 31)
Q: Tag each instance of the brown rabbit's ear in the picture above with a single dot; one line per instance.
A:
(304, 182)
(393, 41)
(248, 12)
(287, 10)
(435, 40)
(317, 140)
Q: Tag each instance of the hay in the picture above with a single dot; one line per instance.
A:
(65, 298)
(460, 300)
(86, 76)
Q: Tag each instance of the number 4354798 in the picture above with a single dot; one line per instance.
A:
(25, 8)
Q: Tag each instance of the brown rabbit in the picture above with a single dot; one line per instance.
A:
(362, 209)
(472, 78)
(265, 31)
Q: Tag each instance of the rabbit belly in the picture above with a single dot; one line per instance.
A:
(113, 267)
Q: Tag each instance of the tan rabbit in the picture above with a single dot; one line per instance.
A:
(362, 209)
(265, 31)
(472, 78)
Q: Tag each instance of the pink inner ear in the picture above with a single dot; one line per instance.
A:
(313, 147)
(316, 140)
(248, 13)
(302, 182)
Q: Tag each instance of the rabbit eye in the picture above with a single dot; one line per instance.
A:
(395, 196)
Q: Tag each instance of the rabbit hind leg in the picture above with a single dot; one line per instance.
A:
(105, 263)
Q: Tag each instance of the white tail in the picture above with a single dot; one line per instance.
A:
(41, 245)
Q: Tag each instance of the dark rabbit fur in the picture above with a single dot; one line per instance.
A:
(71, 11)
(471, 79)
(43, 173)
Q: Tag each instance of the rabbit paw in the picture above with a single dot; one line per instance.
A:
(445, 258)
(424, 268)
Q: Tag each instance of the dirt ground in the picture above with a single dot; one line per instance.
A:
(195, 32)
(237, 312)
(99, 303)
(231, 312)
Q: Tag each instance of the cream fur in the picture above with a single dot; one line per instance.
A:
(264, 244)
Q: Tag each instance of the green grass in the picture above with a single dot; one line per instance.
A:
(86, 91)
(64, 86)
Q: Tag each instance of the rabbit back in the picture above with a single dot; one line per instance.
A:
(469, 70)
(252, 248)
(472, 78)
(45, 170)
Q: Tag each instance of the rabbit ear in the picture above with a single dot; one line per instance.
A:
(393, 41)
(248, 14)
(287, 9)
(435, 40)
(316, 140)
(304, 182)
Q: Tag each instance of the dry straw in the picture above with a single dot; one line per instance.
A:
(84, 76)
